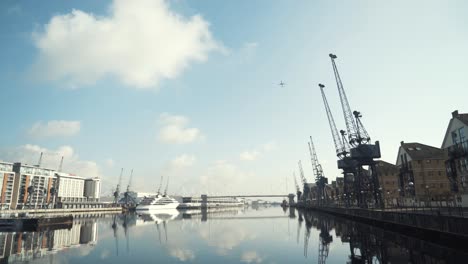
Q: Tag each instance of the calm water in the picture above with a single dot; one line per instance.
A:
(262, 235)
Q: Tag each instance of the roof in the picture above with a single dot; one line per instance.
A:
(418, 151)
(463, 118)
(386, 167)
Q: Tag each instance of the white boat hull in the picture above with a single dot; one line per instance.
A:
(153, 207)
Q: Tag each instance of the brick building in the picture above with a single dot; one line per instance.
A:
(388, 175)
(422, 175)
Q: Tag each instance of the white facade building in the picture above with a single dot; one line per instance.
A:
(70, 186)
(92, 188)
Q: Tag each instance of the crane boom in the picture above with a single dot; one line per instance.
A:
(60, 166)
(40, 160)
(303, 179)
(120, 181)
(295, 183)
(130, 181)
(317, 168)
(342, 148)
(347, 113)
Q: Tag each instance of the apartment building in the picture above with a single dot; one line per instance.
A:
(388, 175)
(7, 177)
(455, 144)
(422, 174)
(32, 186)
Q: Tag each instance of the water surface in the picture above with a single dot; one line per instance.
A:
(246, 235)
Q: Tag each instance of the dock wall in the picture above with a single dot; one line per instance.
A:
(62, 210)
(452, 229)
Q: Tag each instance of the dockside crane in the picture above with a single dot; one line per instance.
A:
(61, 164)
(117, 189)
(306, 192)
(342, 148)
(298, 189)
(39, 162)
(366, 184)
(320, 178)
(129, 200)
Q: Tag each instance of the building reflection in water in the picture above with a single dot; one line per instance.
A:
(369, 244)
(181, 234)
(26, 246)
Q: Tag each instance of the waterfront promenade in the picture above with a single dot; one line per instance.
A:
(62, 210)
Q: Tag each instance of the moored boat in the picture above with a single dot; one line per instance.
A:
(157, 202)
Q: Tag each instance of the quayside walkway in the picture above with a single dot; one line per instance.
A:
(61, 210)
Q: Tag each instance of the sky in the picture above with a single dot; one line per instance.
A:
(188, 90)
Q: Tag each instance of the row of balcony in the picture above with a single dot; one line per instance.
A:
(458, 150)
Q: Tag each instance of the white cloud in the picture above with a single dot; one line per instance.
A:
(55, 128)
(225, 237)
(29, 154)
(222, 174)
(269, 146)
(110, 163)
(138, 42)
(183, 160)
(249, 155)
(182, 254)
(251, 257)
(174, 130)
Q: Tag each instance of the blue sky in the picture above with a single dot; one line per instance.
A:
(197, 99)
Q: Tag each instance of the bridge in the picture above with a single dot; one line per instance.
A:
(250, 196)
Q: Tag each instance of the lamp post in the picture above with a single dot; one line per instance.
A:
(379, 195)
(399, 198)
(388, 197)
(428, 198)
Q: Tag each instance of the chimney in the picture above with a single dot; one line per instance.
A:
(402, 143)
(455, 113)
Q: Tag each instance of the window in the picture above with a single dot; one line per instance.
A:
(454, 138)
(419, 162)
(430, 173)
(461, 133)
(439, 173)
(410, 149)
(428, 161)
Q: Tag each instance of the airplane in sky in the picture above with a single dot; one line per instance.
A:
(282, 84)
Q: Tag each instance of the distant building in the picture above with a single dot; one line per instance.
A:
(70, 188)
(422, 172)
(388, 175)
(32, 186)
(455, 144)
(24, 186)
(92, 189)
(7, 178)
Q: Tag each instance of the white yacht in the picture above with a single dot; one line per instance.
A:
(157, 202)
